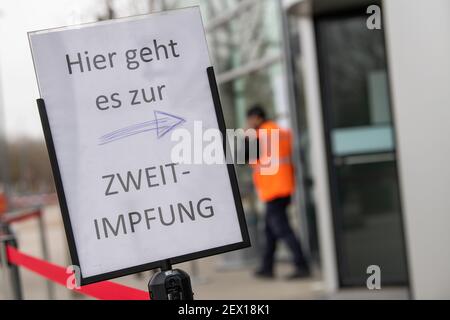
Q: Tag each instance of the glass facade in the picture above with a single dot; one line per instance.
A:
(243, 36)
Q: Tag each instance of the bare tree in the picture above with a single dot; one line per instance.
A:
(29, 166)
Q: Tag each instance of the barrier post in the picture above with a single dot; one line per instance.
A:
(45, 252)
(10, 272)
(4, 263)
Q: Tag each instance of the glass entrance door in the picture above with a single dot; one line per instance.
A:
(361, 150)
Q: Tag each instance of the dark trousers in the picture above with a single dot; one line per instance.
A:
(278, 228)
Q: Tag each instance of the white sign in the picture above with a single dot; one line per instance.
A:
(114, 92)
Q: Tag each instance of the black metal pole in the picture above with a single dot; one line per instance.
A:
(45, 251)
(166, 265)
(12, 274)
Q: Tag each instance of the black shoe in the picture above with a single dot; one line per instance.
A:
(264, 274)
(299, 274)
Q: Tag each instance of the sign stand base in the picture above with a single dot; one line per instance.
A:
(170, 284)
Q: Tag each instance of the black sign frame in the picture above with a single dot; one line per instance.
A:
(157, 264)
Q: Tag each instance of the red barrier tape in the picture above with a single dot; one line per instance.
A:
(21, 217)
(36, 200)
(105, 290)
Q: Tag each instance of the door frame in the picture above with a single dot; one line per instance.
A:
(327, 127)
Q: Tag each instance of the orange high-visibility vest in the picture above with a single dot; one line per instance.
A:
(3, 204)
(281, 183)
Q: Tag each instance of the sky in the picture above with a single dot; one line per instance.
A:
(18, 86)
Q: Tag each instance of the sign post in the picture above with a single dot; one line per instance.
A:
(116, 98)
(170, 284)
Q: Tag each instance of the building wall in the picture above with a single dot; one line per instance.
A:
(318, 155)
(418, 42)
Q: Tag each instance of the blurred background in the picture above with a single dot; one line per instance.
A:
(365, 93)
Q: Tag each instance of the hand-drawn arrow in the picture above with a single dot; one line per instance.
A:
(163, 124)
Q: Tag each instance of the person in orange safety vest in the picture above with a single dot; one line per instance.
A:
(273, 177)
